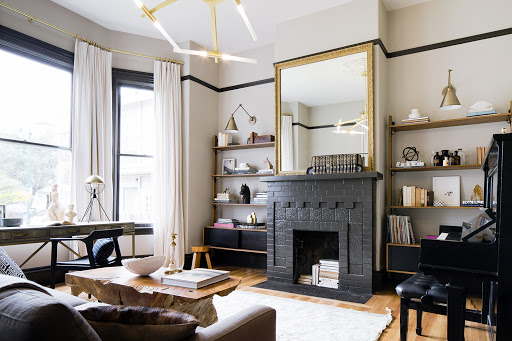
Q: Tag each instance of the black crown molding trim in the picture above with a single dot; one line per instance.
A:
(246, 85)
(27, 46)
(319, 127)
(198, 81)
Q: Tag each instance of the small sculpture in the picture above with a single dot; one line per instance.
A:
(70, 213)
(55, 211)
(225, 190)
(251, 218)
(245, 192)
(267, 164)
(477, 194)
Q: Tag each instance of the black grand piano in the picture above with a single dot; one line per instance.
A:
(482, 254)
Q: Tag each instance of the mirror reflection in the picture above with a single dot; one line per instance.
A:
(324, 111)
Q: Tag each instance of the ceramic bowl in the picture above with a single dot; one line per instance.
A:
(144, 266)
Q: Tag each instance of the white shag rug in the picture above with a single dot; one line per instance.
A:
(299, 320)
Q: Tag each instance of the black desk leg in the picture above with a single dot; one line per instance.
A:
(455, 312)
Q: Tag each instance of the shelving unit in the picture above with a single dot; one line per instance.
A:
(227, 238)
(397, 253)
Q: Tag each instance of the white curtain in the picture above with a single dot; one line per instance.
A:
(286, 143)
(92, 127)
(168, 194)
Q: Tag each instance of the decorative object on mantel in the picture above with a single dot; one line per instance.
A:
(143, 266)
(481, 108)
(231, 127)
(245, 192)
(213, 54)
(70, 213)
(94, 185)
(172, 268)
(450, 100)
(341, 163)
(55, 211)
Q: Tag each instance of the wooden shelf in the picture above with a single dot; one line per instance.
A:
(239, 250)
(406, 245)
(438, 168)
(441, 207)
(452, 123)
(234, 228)
(246, 146)
(222, 204)
(240, 175)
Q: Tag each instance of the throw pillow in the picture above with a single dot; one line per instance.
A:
(8, 266)
(102, 249)
(139, 323)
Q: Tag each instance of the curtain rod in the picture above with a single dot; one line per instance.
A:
(31, 19)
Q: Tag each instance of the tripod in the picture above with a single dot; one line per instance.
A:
(94, 195)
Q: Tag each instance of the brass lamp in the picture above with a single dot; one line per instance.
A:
(94, 185)
(450, 100)
(231, 127)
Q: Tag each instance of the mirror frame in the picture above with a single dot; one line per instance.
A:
(368, 48)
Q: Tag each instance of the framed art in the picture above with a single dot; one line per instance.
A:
(447, 190)
(2, 211)
(228, 166)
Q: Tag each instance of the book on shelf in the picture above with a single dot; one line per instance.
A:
(224, 139)
(315, 269)
(225, 201)
(331, 262)
(225, 196)
(416, 120)
(305, 279)
(400, 230)
(265, 171)
(196, 278)
(472, 203)
(480, 154)
(251, 226)
(413, 196)
(227, 220)
(481, 113)
(225, 225)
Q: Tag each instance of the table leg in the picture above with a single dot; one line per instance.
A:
(455, 311)
(76, 290)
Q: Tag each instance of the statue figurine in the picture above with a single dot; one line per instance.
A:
(55, 211)
(70, 214)
(225, 190)
(245, 192)
(477, 194)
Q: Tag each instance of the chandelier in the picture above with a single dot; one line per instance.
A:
(205, 53)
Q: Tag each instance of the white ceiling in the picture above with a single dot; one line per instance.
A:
(190, 19)
(323, 82)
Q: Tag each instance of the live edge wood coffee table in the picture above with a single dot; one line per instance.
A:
(116, 285)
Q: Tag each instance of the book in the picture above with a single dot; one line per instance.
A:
(224, 225)
(329, 274)
(418, 197)
(400, 230)
(328, 285)
(196, 278)
(481, 113)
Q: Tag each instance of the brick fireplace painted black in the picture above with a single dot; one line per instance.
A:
(340, 204)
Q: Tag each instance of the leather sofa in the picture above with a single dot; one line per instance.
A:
(29, 311)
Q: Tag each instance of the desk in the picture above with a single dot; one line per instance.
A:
(42, 234)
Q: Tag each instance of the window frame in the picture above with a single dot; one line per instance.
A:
(124, 78)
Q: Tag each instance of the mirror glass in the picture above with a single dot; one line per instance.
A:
(324, 110)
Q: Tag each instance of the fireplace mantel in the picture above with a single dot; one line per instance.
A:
(339, 203)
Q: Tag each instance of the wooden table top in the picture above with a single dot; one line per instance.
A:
(118, 275)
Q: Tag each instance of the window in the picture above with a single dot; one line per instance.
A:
(35, 135)
(135, 153)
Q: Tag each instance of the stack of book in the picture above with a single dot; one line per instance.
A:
(481, 108)
(226, 222)
(225, 198)
(416, 120)
(400, 230)
(251, 226)
(265, 171)
(260, 198)
(196, 278)
(480, 154)
(224, 139)
(481, 113)
(305, 279)
(473, 203)
(413, 196)
(339, 163)
(328, 274)
(245, 170)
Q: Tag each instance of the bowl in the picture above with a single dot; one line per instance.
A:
(11, 222)
(144, 266)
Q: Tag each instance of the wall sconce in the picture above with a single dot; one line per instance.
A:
(231, 126)
(450, 100)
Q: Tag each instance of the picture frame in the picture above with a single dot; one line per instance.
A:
(447, 190)
(228, 166)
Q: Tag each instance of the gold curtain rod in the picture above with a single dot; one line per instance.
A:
(31, 18)
(286, 114)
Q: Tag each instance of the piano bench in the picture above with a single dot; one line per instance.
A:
(422, 293)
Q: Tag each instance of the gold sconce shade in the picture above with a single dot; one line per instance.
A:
(450, 100)
(231, 127)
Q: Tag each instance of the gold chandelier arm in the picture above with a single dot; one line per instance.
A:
(159, 7)
(214, 29)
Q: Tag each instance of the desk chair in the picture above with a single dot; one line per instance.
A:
(94, 259)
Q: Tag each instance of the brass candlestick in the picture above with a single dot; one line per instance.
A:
(172, 268)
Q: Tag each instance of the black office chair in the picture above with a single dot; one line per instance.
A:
(87, 262)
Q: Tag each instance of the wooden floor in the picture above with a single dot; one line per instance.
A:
(434, 326)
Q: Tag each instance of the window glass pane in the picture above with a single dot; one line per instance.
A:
(35, 101)
(137, 107)
(135, 188)
(27, 174)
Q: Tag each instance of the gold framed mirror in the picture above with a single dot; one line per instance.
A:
(324, 106)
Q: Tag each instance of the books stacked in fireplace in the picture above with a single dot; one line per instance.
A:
(305, 279)
(326, 273)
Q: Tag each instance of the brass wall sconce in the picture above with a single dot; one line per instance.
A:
(231, 127)
(450, 100)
